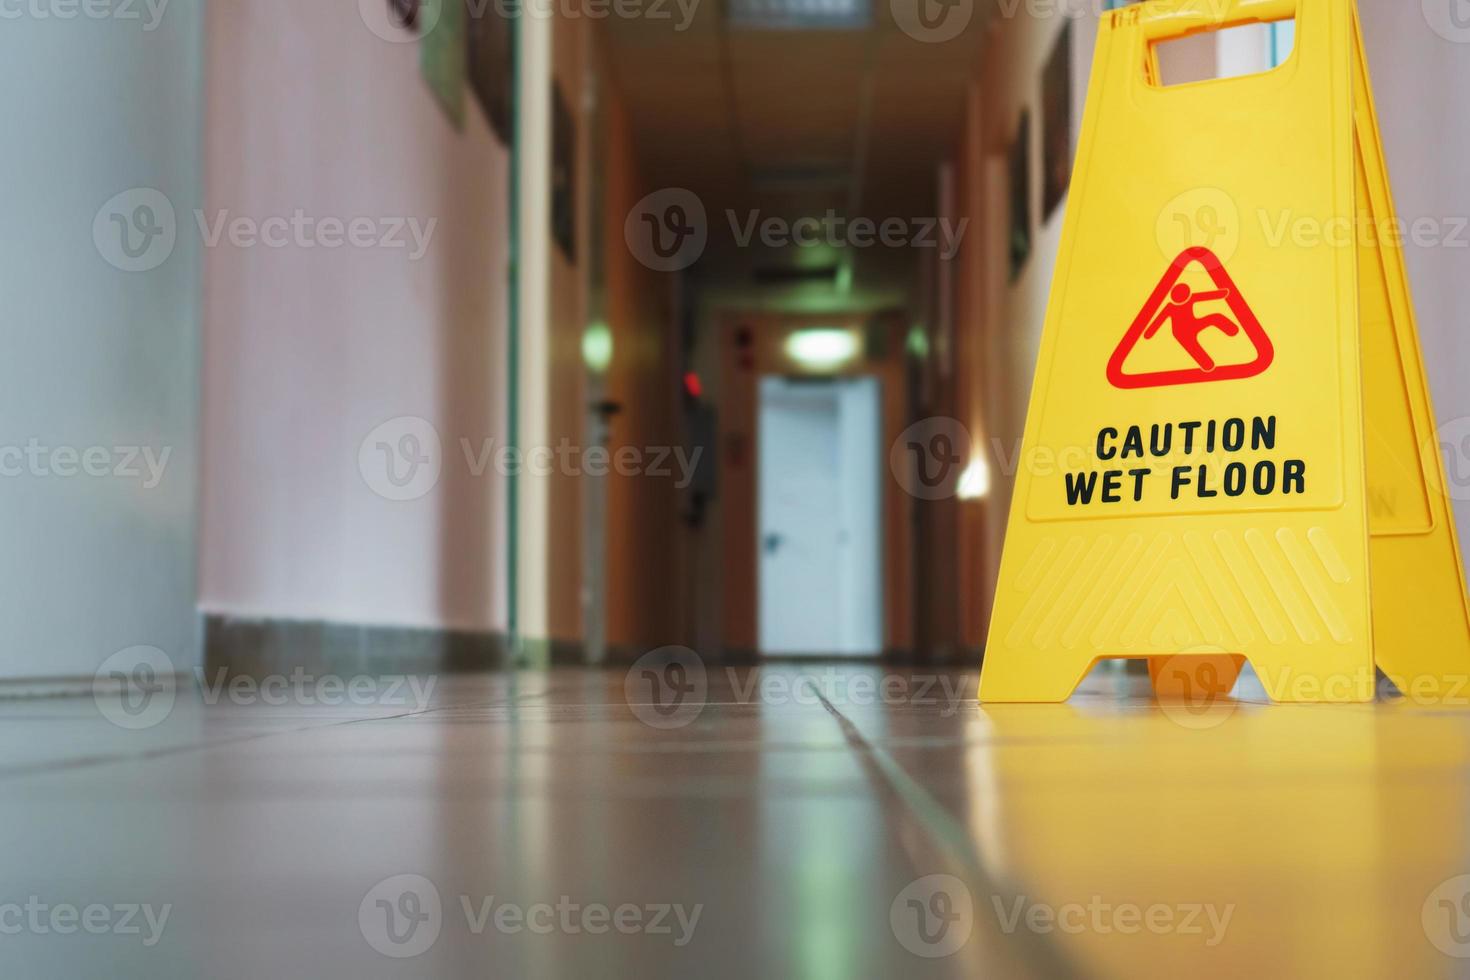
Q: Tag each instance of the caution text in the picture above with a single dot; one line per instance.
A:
(1232, 457)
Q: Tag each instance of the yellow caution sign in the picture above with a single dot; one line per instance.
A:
(1230, 453)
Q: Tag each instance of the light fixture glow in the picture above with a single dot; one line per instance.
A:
(844, 278)
(917, 342)
(823, 348)
(597, 347)
(975, 480)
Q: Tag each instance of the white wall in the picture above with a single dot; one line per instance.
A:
(308, 350)
(95, 357)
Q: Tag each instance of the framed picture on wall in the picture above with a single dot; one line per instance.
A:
(1056, 124)
(563, 174)
(490, 65)
(1020, 193)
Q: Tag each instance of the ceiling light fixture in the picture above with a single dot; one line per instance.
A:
(822, 348)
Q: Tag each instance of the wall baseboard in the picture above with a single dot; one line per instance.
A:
(260, 647)
(263, 647)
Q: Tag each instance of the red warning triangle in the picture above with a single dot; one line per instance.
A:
(1175, 306)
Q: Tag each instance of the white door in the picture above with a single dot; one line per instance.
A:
(820, 523)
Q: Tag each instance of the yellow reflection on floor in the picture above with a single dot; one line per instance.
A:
(1235, 839)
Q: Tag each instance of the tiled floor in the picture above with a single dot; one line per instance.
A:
(798, 813)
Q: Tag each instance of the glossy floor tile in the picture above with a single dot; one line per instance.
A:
(799, 821)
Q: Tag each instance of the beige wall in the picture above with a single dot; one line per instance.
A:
(644, 565)
(643, 532)
(998, 322)
(642, 527)
(307, 350)
(1012, 61)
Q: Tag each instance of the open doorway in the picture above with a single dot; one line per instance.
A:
(820, 516)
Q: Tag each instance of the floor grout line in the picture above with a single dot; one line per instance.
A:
(947, 835)
(148, 755)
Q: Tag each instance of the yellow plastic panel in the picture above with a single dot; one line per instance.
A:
(1193, 461)
(1421, 623)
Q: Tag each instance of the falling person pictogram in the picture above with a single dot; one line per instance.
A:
(1174, 301)
(1187, 325)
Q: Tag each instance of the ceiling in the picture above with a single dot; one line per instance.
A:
(792, 123)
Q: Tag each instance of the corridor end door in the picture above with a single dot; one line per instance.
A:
(820, 526)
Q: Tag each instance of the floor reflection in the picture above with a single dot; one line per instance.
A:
(795, 821)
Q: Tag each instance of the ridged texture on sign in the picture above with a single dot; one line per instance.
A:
(1128, 592)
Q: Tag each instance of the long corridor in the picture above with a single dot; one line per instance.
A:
(529, 489)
